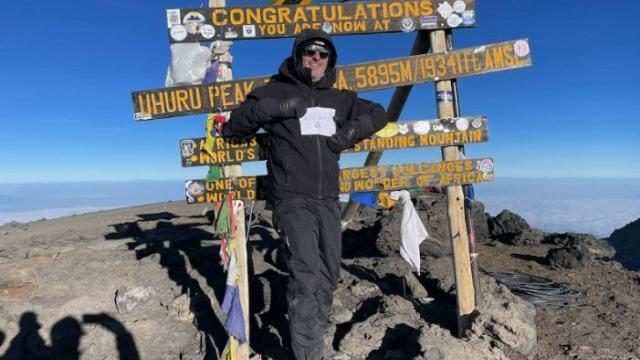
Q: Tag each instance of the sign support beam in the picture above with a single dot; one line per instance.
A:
(455, 203)
(473, 254)
(421, 45)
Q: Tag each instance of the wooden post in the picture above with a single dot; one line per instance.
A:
(400, 94)
(473, 252)
(455, 203)
(241, 351)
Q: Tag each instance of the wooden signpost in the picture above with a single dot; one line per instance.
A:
(433, 21)
(418, 69)
(243, 23)
(395, 136)
(360, 179)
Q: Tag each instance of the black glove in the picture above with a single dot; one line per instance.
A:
(283, 108)
(344, 138)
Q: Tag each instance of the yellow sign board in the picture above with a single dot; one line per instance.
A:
(198, 99)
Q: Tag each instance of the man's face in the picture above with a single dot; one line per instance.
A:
(315, 58)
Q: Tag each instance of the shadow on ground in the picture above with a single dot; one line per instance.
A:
(65, 338)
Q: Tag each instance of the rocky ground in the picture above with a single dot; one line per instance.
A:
(146, 283)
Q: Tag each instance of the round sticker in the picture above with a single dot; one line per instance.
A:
(485, 165)
(207, 31)
(193, 21)
(421, 127)
(390, 130)
(521, 48)
(407, 25)
(462, 124)
(454, 20)
(327, 27)
(459, 6)
(476, 123)
(444, 9)
(178, 33)
(195, 188)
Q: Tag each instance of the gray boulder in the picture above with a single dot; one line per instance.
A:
(505, 318)
(389, 328)
(432, 210)
(570, 256)
(527, 237)
(437, 343)
(441, 270)
(135, 298)
(597, 248)
(506, 225)
(626, 242)
(388, 241)
(480, 221)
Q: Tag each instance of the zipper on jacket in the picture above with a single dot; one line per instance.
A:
(320, 178)
(312, 101)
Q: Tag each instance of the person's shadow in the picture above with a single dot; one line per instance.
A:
(65, 339)
(27, 344)
(124, 340)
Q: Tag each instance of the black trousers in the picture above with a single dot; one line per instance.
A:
(310, 229)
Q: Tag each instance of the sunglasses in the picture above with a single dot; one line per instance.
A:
(311, 50)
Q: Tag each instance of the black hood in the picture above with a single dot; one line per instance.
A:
(292, 68)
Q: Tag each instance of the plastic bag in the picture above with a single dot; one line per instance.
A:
(189, 63)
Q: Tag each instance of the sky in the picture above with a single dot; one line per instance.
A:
(69, 67)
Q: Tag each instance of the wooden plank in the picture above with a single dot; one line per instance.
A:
(455, 203)
(223, 151)
(273, 21)
(359, 179)
(197, 99)
(395, 136)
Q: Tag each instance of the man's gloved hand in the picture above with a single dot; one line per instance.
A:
(344, 138)
(283, 108)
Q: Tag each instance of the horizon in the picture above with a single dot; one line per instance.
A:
(596, 206)
(183, 180)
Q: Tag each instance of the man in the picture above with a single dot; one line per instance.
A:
(309, 124)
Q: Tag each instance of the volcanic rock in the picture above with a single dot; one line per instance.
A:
(597, 248)
(526, 237)
(506, 225)
(437, 343)
(389, 328)
(626, 241)
(432, 210)
(569, 256)
(505, 317)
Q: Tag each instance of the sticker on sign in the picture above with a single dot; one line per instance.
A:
(521, 48)
(173, 17)
(142, 116)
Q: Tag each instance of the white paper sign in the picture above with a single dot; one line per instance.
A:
(318, 121)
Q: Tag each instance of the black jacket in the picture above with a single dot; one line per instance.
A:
(303, 166)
